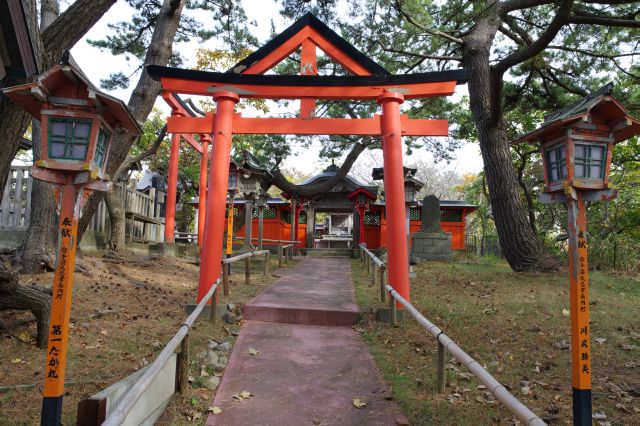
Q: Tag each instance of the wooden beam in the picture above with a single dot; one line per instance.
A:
(318, 126)
(273, 91)
(190, 140)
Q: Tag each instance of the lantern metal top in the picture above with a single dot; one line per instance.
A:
(32, 96)
(600, 103)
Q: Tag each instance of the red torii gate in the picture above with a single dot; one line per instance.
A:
(247, 80)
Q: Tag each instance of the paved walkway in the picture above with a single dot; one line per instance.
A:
(306, 373)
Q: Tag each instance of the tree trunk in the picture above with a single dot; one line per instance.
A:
(38, 248)
(520, 245)
(13, 124)
(143, 96)
(16, 296)
(116, 209)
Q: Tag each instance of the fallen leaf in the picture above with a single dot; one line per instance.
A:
(253, 351)
(627, 347)
(525, 390)
(599, 416)
(359, 404)
(236, 397)
(24, 336)
(601, 340)
(214, 410)
(245, 394)
(565, 312)
(465, 376)
(16, 360)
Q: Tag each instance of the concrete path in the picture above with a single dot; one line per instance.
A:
(304, 374)
(318, 291)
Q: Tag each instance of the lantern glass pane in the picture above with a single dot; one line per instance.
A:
(589, 161)
(68, 138)
(556, 163)
(101, 147)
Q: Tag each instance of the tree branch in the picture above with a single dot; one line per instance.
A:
(300, 191)
(608, 21)
(438, 33)
(71, 25)
(525, 53)
(129, 161)
(510, 6)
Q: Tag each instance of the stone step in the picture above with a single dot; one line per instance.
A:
(337, 252)
(318, 291)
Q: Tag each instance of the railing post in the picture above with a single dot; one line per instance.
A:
(214, 302)
(280, 255)
(266, 263)
(182, 382)
(382, 284)
(225, 279)
(373, 276)
(392, 309)
(247, 271)
(441, 372)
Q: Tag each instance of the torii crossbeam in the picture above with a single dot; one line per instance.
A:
(368, 81)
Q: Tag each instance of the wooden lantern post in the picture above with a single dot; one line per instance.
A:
(78, 123)
(576, 145)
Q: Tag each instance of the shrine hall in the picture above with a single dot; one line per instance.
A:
(332, 219)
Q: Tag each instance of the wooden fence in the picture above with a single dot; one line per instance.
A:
(144, 215)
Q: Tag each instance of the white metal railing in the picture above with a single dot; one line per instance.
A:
(445, 344)
(226, 267)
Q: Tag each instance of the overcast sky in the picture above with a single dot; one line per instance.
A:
(98, 65)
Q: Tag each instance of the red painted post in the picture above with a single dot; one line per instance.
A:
(361, 224)
(172, 188)
(202, 196)
(394, 193)
(211, 255)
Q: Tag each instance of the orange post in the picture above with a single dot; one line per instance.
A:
(56, 356)
(579, 308)
(394, 193)
(229, 249)
(202, 196)
(211, 255)
(172, 189)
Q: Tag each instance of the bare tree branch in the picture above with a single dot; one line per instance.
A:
(608, 21)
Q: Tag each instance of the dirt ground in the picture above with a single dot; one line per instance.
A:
(125, 309)
(517, 326)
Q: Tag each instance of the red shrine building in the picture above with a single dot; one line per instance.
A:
(331, 220)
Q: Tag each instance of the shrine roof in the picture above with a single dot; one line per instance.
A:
(600, 102)
(331, 171)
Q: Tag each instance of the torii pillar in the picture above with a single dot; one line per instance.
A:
(211, 254)
(202, 196)
(172, 189)
(394, 192)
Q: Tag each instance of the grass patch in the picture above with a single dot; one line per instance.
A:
(513, 324)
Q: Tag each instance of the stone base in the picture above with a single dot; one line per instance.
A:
(221, 309)
(163, 249)
(384, 315)
(431, 246)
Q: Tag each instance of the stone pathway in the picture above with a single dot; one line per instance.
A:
(305, 373)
